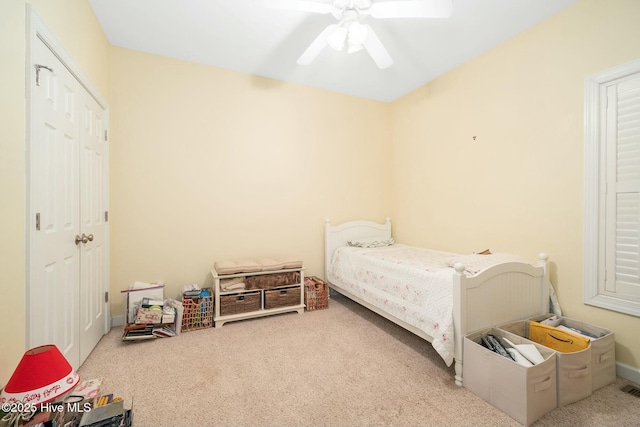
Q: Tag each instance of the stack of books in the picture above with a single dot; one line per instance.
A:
(149, 314)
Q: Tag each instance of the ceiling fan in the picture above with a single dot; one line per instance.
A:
(350, 32)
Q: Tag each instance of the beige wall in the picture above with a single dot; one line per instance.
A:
(208, 164)
(518, 187)
(12, 169)
(76, 27)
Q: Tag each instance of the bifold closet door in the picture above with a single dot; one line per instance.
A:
(67, 259)
(93, 224)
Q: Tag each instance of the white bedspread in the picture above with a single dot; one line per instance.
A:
(412, 284)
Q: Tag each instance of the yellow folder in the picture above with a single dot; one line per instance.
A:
(557, 339)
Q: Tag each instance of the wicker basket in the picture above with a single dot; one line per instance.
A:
(283, 297)
(197, 312)
(239, 303)
(316, 292)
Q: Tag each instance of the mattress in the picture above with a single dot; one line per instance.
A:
(412, 284)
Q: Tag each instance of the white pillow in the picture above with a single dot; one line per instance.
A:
(371, 243)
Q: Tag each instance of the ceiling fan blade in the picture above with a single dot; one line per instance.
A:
(301, 5)
(316, 46)
(374, 46)
(412, 9)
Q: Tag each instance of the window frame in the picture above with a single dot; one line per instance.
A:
(594, 166)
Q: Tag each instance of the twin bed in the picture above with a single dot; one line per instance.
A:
(436, 295)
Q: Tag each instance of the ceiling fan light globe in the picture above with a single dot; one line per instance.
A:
(337, 38)
(357, 33)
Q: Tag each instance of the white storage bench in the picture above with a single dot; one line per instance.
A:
(254, 288)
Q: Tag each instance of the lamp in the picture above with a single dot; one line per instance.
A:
(42, 375)
(337, 37)
(349, 30)
(357, 36)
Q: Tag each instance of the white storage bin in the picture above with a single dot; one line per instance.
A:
(524, 393)
(573, 369)
(603, 350)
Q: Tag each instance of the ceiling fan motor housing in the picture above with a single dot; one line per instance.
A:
(342, 7)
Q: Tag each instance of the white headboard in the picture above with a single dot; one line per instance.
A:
(338, 235)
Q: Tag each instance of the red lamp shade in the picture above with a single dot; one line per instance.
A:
(42, 375)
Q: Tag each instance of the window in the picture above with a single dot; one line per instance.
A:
(611, 259)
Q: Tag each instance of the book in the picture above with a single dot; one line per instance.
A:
(192, 293)
(149, 315)
(88, 389)
(138, 332)
(164, 332)
(151, 302)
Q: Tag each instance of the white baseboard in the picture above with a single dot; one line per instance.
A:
(117, 321)
(628, 372)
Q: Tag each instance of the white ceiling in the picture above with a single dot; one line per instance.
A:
(241, 36)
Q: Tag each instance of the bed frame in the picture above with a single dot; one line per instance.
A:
(504, 292)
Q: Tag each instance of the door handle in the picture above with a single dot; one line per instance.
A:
(84, 238)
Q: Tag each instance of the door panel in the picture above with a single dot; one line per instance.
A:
(54, 282)
(93, 206)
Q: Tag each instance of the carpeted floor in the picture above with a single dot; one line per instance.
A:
(344, 366)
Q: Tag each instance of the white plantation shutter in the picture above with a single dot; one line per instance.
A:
(622, 218)
(611, 253)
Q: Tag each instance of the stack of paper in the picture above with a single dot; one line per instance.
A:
(168, 314)
(525, 354)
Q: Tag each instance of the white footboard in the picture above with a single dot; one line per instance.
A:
(501, 293)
